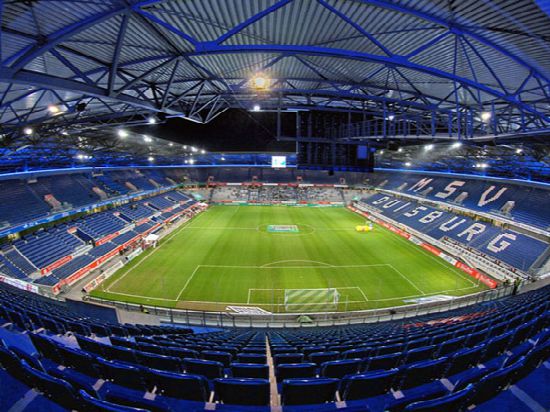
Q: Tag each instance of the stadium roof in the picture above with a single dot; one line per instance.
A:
(473, 67)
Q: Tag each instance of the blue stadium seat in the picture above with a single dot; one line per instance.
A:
(385, 362)
(249, 370)
(46, 347)
(160, 362)
(308, 391)
(122, 374)
(423, 372)
(222, 357)
(457, 402)
(420, 353)
(181, 386)
(242, 391)
(320, 357)
(491, 384)
(464, 358)
(295, 370)
(77, 380)
(124, 398)
(288, 358)
(92, 404)
(252, 358)
(368, 384)
(451, 345)
(209, 369)
(57, 390)
(120, 353)
(340, 368)
(79, 360)
(359, 353)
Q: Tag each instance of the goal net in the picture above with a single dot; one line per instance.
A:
(311, 300)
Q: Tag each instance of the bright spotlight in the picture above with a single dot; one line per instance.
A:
(194, 149)
(260, 82)
(256, 108)
(147, 139)
(428, 147)
(28, 131)
(191, 161)
(122, 133)
(519, 150)
(407, 164)
(391, 117)
(223, 159)
(400, 150)
(485, 116)
(53, 109)
(151, 158)
(456, 145)
(203, 151)
(170, 144)
(151, 120)
(381, 152)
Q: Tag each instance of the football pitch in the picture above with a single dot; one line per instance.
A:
(284, 259)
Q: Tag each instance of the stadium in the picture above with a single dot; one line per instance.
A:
(275, 205)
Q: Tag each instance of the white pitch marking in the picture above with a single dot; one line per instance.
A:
(188, 280)
(183, 226)
(268, 265)
(408, 280)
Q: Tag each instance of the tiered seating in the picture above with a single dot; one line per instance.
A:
(160, 202)
(482, 195)
(72, 189)
(72, 266)
(112, 185)
(19, 261)
(157, 175)
(19, 204)
(144, 227)
(142, 182)
(514, 248)
(125, 237)
(177, 196)
(101, 250)
(70, 240)
(446, 361)
(44, 248)
(9, 269)
(101, 224)
(38, 251)
(135, 211)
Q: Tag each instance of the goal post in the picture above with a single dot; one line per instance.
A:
(311, 300)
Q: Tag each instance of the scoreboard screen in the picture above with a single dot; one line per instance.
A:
(278, 162)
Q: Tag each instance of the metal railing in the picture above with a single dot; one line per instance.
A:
(292, 320)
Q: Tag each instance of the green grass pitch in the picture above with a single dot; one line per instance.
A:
(226, 256)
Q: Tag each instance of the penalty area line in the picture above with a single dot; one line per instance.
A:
(188, 280)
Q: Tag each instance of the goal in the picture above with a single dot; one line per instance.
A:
(311, 300)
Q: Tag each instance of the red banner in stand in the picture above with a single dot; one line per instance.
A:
(106, 238)
(56, 264)
(477, 275)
